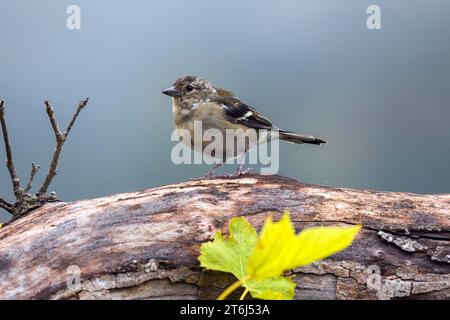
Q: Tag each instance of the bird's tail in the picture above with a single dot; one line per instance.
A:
(299, 138)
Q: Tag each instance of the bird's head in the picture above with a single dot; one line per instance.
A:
(194, 89)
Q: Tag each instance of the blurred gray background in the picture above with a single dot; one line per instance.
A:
(381, 98)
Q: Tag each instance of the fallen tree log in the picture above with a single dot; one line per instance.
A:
(144, 245)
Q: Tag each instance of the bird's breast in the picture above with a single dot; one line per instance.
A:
(205, 128)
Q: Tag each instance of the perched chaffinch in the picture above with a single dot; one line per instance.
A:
(196, 99)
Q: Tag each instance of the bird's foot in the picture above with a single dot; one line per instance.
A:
(206, 177)
(225, 176)
(209, 174)
(239, 172)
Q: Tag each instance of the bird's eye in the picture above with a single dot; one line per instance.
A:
(189, 88)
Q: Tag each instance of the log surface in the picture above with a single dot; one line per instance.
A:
(144, 245)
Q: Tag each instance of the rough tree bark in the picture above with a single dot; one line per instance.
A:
(145, 244)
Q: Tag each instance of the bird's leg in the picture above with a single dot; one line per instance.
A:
(239, 170)
(209, 174)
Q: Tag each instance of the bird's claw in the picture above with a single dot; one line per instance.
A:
(209, 175)
(239, 172)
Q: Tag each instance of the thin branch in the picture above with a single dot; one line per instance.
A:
(81, 105)
(51, 116)
(9, 156)
(9, 209)
(60, 139)
(34, 170)
(3, 201)
(6, 205)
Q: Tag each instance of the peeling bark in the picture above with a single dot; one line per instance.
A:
(144, 245)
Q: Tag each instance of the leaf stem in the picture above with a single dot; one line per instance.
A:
(244, 294)
(229, 290)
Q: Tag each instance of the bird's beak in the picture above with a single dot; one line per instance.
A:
(172, 92)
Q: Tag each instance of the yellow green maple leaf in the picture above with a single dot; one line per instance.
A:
(232, 254)
(279, 249)
(258, 262)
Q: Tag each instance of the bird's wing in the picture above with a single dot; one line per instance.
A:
(241, 113)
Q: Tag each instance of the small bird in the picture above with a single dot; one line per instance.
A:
(196, 99)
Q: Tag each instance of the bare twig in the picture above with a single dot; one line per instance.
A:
(81, 105)
(9, 156)
(26, 202)
(60, 139)
(34, 170)
(6, 205)
(59, 143)
(51, 116)
(3, 201)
